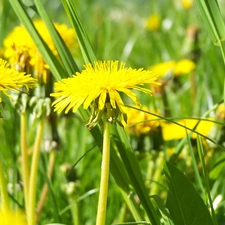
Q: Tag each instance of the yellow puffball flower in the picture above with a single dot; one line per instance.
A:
(140, 122)
(153, 22)
(187, 4)
(11, 79)
(172, 131)
(9, 217)
(102, 83)
(161, 69)
(22, 52)
(183, 66)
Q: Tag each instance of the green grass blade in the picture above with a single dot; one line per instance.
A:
(133, 169)
(52, 196)
(55, 67)
(206, 178)
(83, 39)
(3, 10)
(60, 45)
(212, 17)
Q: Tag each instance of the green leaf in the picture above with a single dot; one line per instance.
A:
(133, 169)
(218, 167)
(56, 68)
(60, 45)
(212, 17)
(3, 12)
(184, 203)
(85, 46)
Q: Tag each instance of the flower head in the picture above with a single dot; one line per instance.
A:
(11, 79)
(172, 131)
(181, 67)
(153, 22)
(161, 69)
(102, 83)
(187, 4)
(10, 217)
(140, 122)
(22, 52)
(220, 112)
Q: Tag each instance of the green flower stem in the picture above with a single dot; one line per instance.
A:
(3, 190)
(24, 154)
(33, 174)
(103, 192)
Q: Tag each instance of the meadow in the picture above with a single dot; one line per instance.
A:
(112, 112)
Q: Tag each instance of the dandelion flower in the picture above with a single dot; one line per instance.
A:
(139, 122)
(183, 66)
(187, 4)
(11, 79)
(22, 52)
(9, 217)
(172, 131)
(102, 83)
(161, 69)
(220, 112)
(153, 22)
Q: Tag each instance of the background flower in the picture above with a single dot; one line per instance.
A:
(22, 52)
(11, 79)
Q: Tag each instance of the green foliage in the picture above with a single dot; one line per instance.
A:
(184, 203)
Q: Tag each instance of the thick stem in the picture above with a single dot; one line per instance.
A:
(103, 192)
(4, 206)
(24, 155)
(33, 175)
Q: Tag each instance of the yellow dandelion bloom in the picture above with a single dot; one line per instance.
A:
(153, 22)
(11, 79)
(10, 217)
(178, 68)
(139, 122)
(183, 66)
(220, 112)
(187, 4)
(22, 52)
(161, 69)
(102, 83)
(171, 131)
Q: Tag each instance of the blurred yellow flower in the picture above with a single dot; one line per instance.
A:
(183, 66)
(23, 53)
(11, 79)
(187, 4)
(220, 112)
(161, 69)
(171, 131)
(102, 83)
(140, 122)
(178, 68)
(153, 22)
(9, 217)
